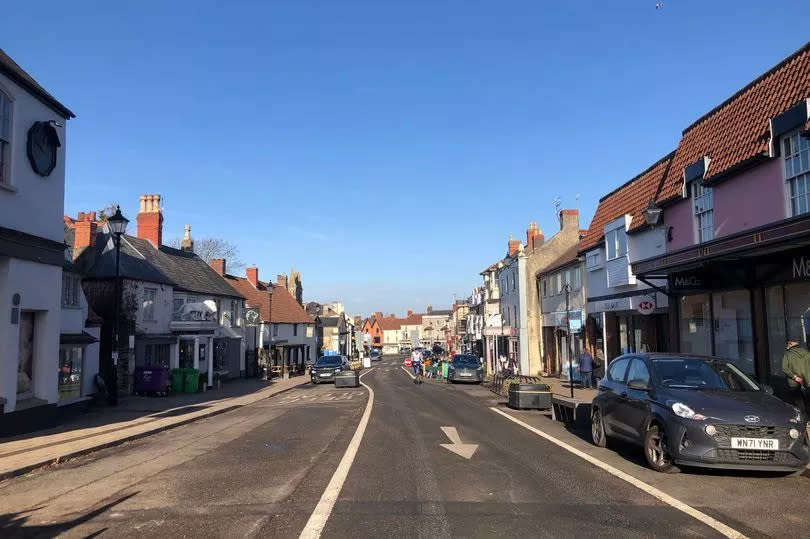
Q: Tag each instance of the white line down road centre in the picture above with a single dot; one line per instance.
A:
(460, 449)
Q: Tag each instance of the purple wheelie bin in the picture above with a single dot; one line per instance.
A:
(152, 379)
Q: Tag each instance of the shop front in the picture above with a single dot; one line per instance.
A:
(741, 297)
(627, 323)
(563, 338)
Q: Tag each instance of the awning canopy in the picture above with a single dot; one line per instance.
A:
(771, 239)
(77, 338)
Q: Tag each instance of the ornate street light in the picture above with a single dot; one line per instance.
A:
(652, 214)
(118, 226)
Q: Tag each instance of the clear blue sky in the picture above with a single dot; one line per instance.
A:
(385, 148)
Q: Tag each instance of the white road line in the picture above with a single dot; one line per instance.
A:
(317, 521)
(407, 372)
(662, 496)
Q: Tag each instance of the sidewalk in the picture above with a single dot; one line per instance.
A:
(133, 418)
(562, 389)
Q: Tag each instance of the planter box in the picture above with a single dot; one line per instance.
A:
(347, 379)
(529, 397)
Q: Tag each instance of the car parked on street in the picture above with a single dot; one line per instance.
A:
(375, 355)
(465, 368)
(326, 367)
(404, 350)
(697, 411)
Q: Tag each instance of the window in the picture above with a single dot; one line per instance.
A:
(577, 284)
(157, 355)
(149, 295)
(704, 211)
(70, 289)
(275, 330)
(71, 359)
(5, 137)
(178, 308)
(797, 171)
(559, 284)
(618, 369)
(514, 281)
(236, 311)
(593, 261)
(545, 287)
(638, 371)
(616, 243)
(295, 330)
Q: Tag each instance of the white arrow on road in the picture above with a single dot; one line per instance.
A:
(460, 449)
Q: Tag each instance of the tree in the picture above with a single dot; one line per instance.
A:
(208, 248)
(107, 211)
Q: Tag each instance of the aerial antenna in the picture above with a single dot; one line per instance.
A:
(557, 204)
(577, 201)
(659, 5)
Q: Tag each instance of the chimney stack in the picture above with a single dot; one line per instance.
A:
(187, 244)
(429, 309)
(569, 219)
(410, 312)
(218, 265)
(252, 274)
(378, 314)
(513, 246)
(534, 236)
(84, 232)
(281, 280)
(150, 220)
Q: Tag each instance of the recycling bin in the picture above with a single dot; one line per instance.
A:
(178, 376)
(152, 379)
(191, 380)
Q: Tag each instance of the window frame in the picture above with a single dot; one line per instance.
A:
(70, 291)
(703, 213)
(792, 178)
(630, 368)
(295, 330)
(612, 241)
(149, 311)
(7, 142)
(612, 366)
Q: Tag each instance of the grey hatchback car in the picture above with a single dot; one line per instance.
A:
(465, 368)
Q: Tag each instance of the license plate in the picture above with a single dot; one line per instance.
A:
(466, 374)
(761, 444)
(325, 375)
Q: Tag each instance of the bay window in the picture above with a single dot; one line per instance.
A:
(796, 152)
(616, 243)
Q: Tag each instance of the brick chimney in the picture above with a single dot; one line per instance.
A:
(218, 265)
(378, 314)
(534, 236)
(513, 246)
(84, 228)
(410, 312)
(187, 244)
(281, 280)
(150, 220)
(252, 274)
(569, 219)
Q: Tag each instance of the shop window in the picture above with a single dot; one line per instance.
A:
(695, 322)
(788, 317)
(704, 211)
(796, 152)
(157, 355)
(71, 361)
(733, 329)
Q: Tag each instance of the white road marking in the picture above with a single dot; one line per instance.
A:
(407, 372)
(460, 449)
(317, 521)
(649, 489)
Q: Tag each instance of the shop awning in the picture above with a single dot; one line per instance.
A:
(77, 338)
(771, 239)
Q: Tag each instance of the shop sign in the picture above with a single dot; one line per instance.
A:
(645, 304)
(801, 267)
(575, 325)
(252, 317)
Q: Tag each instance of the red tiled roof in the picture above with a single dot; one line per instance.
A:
(285, 310)
(630, 199)
(413, 320)
(737, 130)
(389, 323)
(256, 297)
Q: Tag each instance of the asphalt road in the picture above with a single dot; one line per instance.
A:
(261, 470)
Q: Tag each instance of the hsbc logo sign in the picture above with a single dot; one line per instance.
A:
(645, 305)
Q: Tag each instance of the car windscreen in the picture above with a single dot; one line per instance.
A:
(328, 361)
(692, 373)
(466, 361)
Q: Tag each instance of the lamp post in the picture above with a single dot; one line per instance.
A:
(652, 214)
(567, 288)
(118, 226)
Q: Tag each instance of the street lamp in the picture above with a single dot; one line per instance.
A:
(567, 288)
(118, 226)
(652, 214)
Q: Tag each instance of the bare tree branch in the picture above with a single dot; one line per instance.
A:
(107, 211)
(208, 248)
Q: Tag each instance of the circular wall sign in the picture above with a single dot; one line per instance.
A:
(646, 305)
(43, 142)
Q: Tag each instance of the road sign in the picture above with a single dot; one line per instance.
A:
(645, 305)
(575, 325)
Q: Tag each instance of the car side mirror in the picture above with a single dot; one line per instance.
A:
(639, 385)
(766, 389)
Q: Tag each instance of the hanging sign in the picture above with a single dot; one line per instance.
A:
(645, 305)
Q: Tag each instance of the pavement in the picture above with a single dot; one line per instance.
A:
(435, 460)
(132, 418)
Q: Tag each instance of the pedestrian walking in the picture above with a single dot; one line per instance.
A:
(796, 366)
(586, 369)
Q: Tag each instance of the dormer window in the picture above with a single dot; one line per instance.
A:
(796, 152)
(5, 138)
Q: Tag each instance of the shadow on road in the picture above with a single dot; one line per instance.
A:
(14, 524)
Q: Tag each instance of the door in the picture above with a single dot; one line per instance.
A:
(613, 386)
(633, 404)
(25, 357)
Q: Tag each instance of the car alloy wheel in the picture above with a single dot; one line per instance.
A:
(656, 450)
(598, 429)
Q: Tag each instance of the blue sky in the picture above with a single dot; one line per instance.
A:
(386, 149)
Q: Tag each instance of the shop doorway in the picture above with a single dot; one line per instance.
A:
(25, 357)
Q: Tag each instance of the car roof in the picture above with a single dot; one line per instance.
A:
(673, 355)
